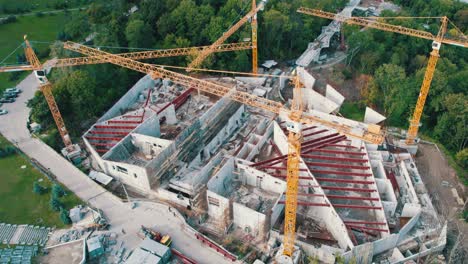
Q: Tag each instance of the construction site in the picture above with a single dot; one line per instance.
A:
(257, 180)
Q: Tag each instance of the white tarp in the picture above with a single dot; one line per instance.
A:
(372, 117)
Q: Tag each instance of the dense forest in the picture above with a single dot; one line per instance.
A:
(394, 63)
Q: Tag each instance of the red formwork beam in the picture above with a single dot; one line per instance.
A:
(308, 185)
(278, 168)
(214, 246)
(102, 150)
(104, 138)
(365, 232)
(335, 139)
(348, 189)
(314, 133)
(319, 157)
(182, 257)
(343, 173)
(367, 228)
(346, 197)
(342, 146)
(308, 128)
(283, 176)
(181, 99)
(103, 144)
(268, 161)
(353, 153)
(114, 127)
(336, 165)
(132, 116)
(352, 206)
(123, 122)
(343, 181)
(312, 141)
(108, 132)
(310, 194)
(364, 222)
(308, 203)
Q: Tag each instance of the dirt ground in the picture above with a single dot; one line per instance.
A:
(439, 179)
(332, 75)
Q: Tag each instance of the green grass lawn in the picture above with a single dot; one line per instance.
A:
(43, 29)
(42, 5)
(353, 110)
(18, 203)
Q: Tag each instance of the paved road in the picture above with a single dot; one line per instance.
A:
(120, 215)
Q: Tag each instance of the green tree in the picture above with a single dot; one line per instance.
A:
(462, 157)
(451, 125)
(55, 204)
(57, 191)
(138, 34)
(64, 216)
(39, 189)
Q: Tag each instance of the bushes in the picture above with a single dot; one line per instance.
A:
(39, 189)
(8, 20)
(64, 216)
(57, 191)
(462, 158)
(55, 204)
(7, 151)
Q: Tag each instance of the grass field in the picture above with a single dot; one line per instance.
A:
(40, 6)
(18, 203)
(43, 29)
(353, 110)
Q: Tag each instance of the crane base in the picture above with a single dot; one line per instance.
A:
(74, 155)
(412, 149)
(283, 259)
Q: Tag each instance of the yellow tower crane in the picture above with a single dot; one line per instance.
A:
(438, 39)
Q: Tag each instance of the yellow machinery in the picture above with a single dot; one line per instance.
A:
(461, 41)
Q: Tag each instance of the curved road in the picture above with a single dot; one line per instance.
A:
(120, 215)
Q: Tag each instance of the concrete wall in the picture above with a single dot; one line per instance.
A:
(334, 95)
(408, 184)
(316, 101)
(150, 127)
(129, 98)
(135, 176)
(217, 205)
(250, 176)
(245, 217)
(149, 145)
(233, 123)
(220, 183)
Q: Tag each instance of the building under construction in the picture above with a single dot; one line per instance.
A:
(226, 163)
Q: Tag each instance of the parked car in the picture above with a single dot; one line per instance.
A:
(3, 112)
(7, 100)
(13, 90)
(10, 95)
